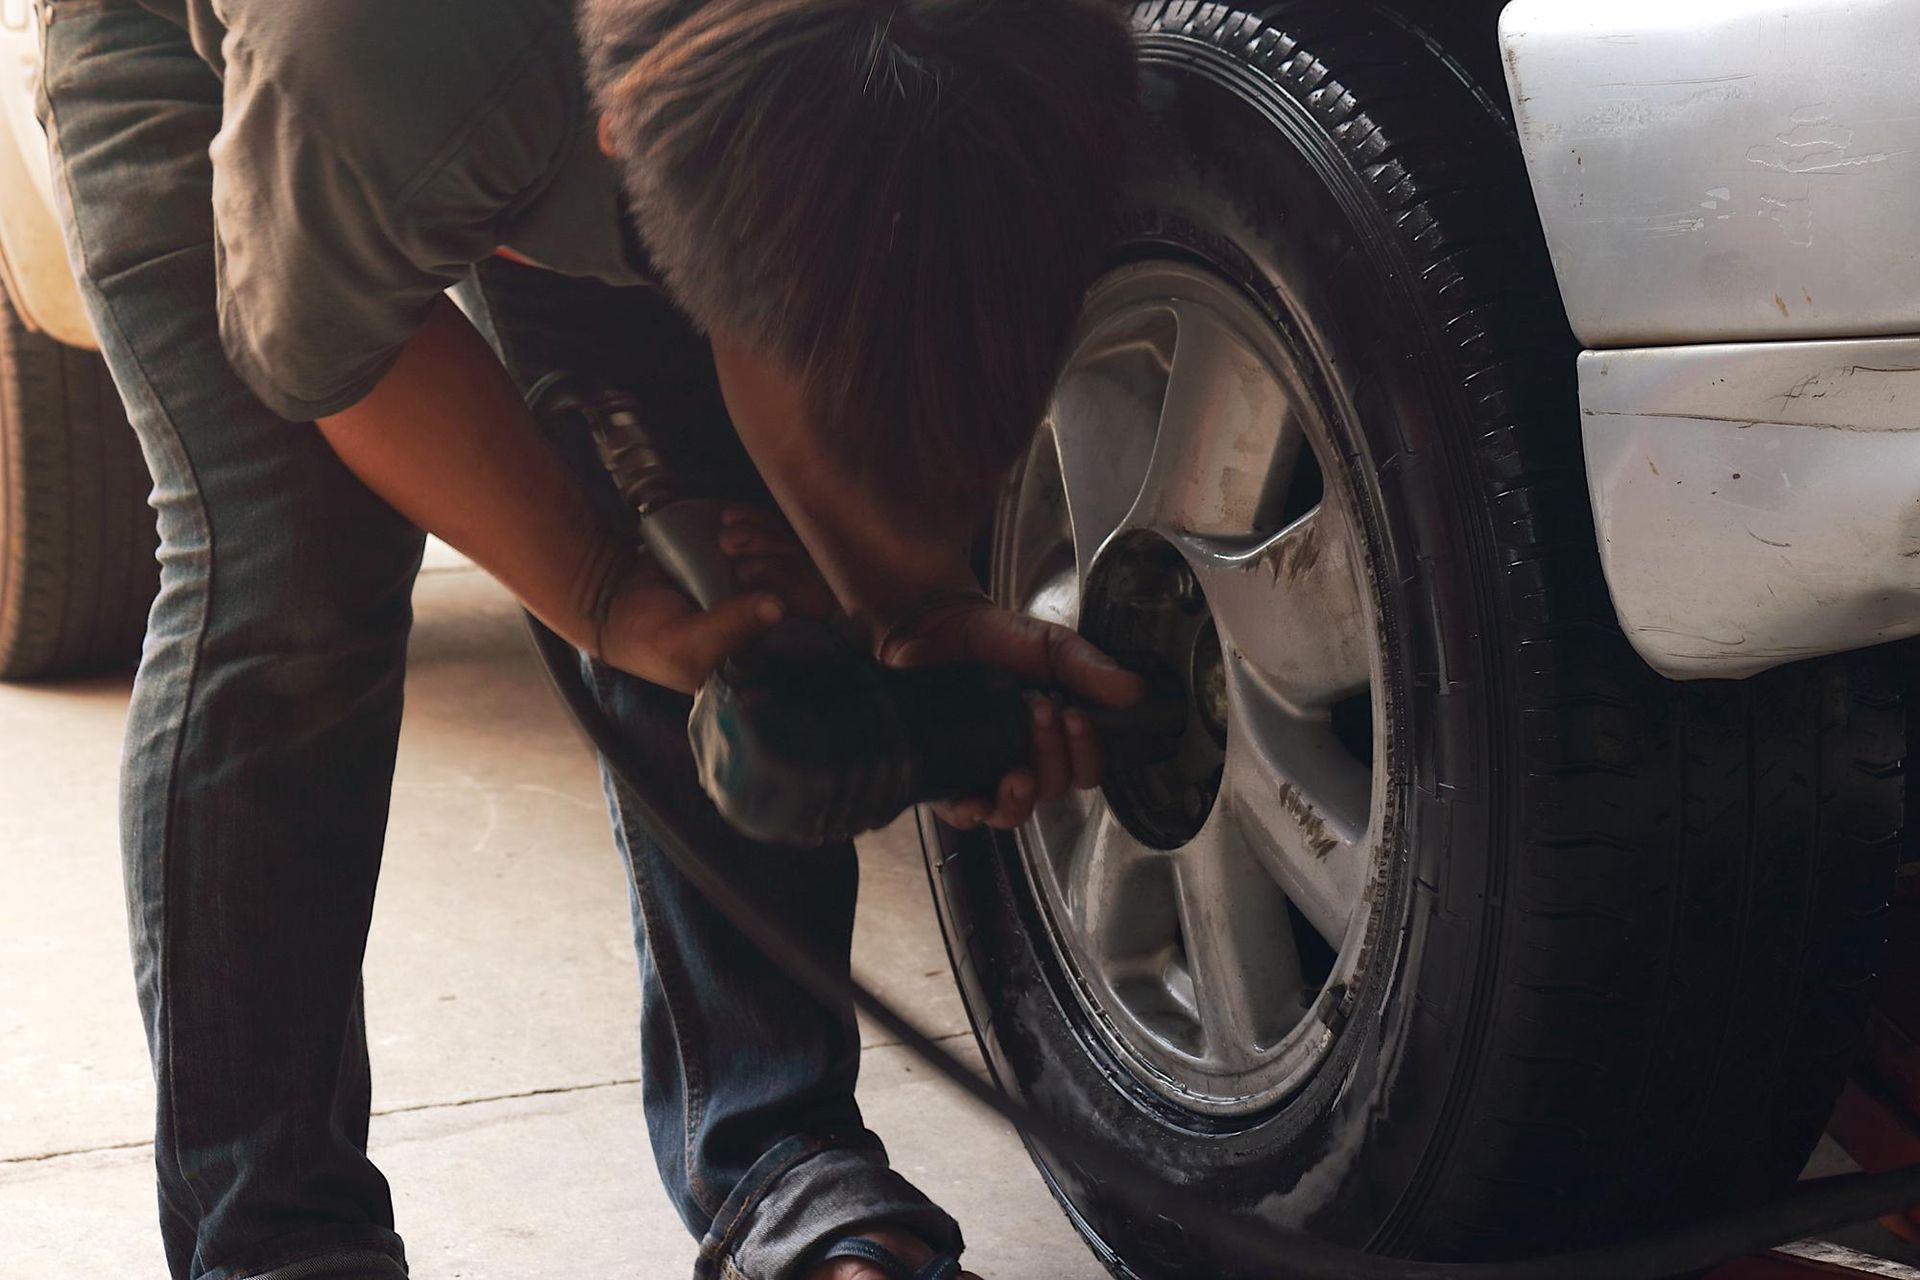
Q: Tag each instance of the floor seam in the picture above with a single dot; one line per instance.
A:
(76, 1151)
(619, 1082)
(616, 1083)
(895, 1044)
(408, 1109)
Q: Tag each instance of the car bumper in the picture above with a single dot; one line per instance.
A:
(1757, 503)
(1727, 191)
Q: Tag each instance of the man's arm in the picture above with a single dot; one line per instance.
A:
(445, 438)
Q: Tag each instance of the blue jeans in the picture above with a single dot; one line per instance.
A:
(261, 744)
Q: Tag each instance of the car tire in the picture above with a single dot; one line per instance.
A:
(77, 541)
(1623, 929)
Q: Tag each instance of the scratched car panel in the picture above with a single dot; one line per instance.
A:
(1721, 169)
(1727, 188)
(1757, 502)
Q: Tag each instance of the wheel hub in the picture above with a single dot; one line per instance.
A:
(1144, 606)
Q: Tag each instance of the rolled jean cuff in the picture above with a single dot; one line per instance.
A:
(328, 1253)
(808, 1192)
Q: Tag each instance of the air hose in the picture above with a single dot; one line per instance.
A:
(1258, 1248)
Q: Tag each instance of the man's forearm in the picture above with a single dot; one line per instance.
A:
(447, 441)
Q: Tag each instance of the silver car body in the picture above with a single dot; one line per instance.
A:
(1731, 193)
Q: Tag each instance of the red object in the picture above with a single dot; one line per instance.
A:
(1877, 1120)
(1880, 1133)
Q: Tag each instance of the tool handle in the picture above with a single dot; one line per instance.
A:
(684, 537)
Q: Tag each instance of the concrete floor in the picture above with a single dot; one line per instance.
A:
(501, 998)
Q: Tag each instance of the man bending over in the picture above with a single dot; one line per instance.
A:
(881, 214)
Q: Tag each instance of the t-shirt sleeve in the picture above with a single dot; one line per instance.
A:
(366, 160)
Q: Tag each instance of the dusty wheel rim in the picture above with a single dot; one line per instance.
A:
(1216, 939)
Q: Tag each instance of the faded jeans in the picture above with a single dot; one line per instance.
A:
(260, 750)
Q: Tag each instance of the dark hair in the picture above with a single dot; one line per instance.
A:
(901, 201)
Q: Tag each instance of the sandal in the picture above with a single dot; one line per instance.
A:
(939, 1267)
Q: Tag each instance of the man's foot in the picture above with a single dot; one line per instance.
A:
(909, 1248)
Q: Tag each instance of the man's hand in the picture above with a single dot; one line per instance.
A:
(656, 633)
(652, 630)
(1066, 751)
(767, 556)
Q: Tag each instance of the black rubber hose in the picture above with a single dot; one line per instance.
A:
(1809, 1210)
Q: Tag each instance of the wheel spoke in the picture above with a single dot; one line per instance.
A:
(1239, 946)
(1102, 423)
(1292, 608)
(1113, 894)
(1057, 600)
(1302, 801)
(1227, 437)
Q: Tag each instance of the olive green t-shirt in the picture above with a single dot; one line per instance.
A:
(370, 152)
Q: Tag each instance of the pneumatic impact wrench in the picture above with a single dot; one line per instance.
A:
(803, 738)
